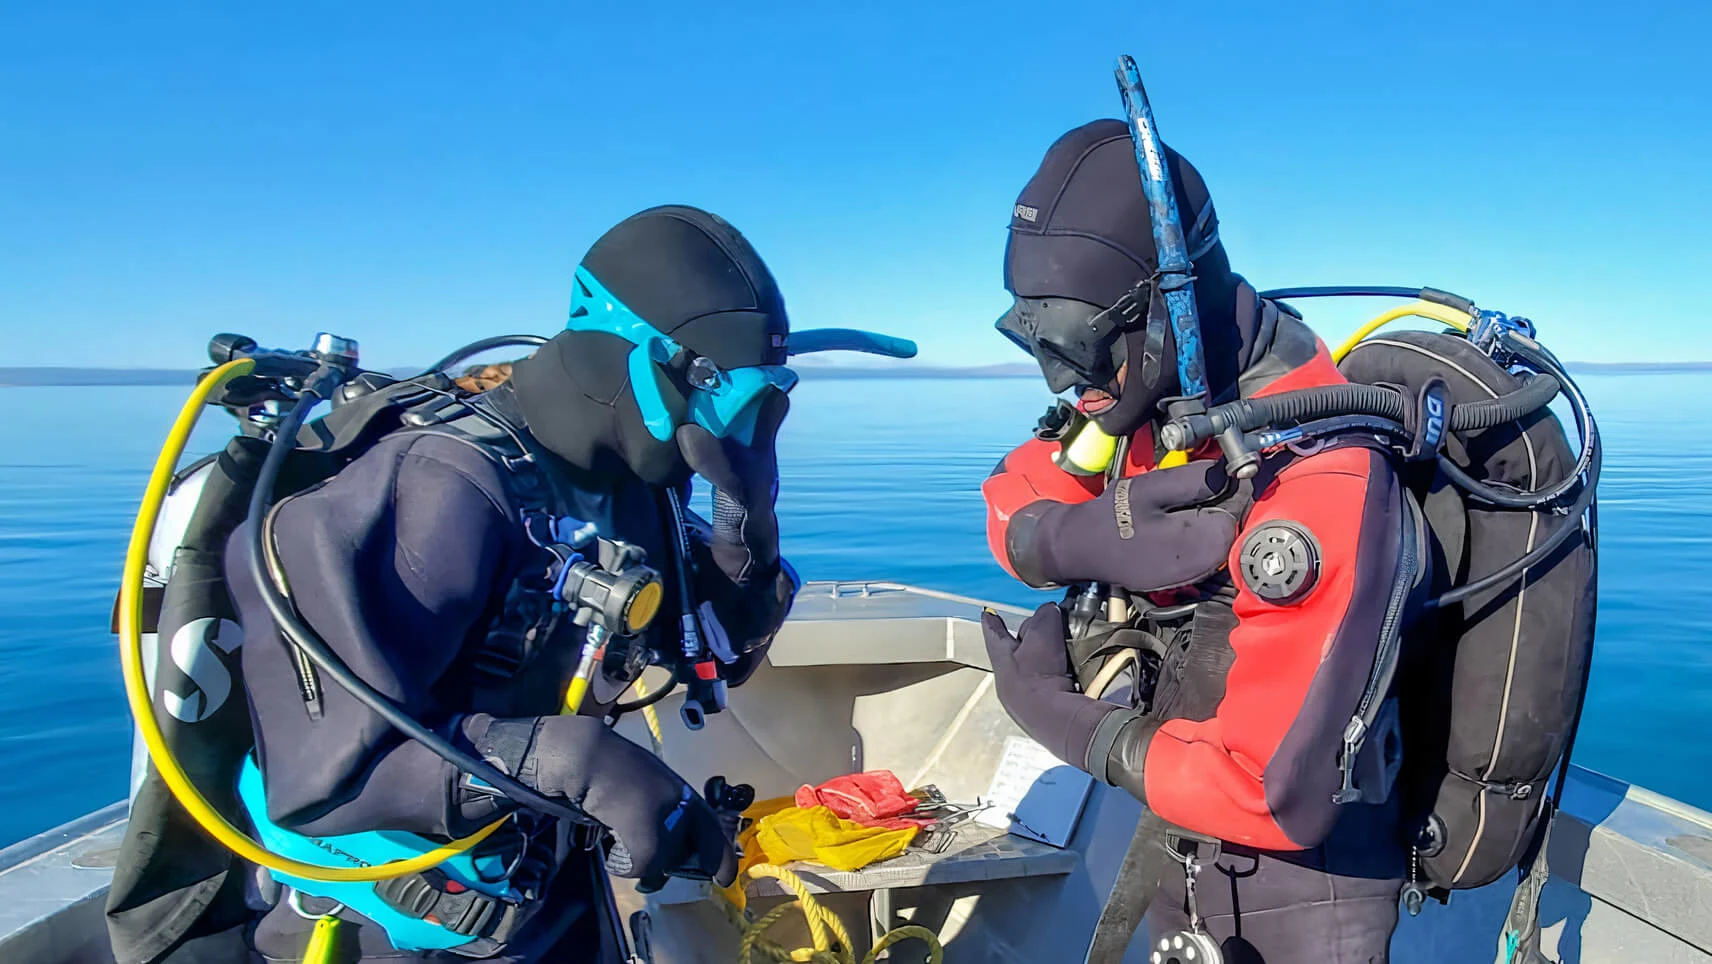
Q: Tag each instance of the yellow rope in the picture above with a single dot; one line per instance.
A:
(651, 718)
(831, 941)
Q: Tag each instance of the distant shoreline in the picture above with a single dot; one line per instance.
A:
(53, 377)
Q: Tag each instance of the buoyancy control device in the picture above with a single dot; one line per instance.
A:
(1493, 668)
(181, 876)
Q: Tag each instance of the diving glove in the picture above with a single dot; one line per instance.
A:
(1031, 674)
(661, 826)
(745, 480)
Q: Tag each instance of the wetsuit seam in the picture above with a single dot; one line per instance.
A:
(408, 452)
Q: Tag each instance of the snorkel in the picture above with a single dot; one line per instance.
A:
(1174, 273)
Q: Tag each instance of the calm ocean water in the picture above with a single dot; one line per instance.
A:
(880, 480)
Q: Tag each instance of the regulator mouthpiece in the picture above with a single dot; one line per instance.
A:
(1083, 448)
(1090, 452)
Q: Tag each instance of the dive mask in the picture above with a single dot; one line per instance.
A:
(1076, 344)
(724, 401)
(1079, 345)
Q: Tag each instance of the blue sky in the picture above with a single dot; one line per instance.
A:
(417, 175)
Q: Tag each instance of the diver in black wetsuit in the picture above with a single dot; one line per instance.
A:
(406, 560)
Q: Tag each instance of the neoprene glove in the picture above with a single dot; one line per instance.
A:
(1031, 673)
(662, 826)
(1144, 533)
(745, 480)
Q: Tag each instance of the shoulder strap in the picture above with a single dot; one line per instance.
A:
(484, 423)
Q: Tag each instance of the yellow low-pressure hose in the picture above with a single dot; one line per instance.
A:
(652, 719)
(142, 705)
(1419, 309)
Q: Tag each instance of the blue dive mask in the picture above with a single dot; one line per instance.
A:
(723, 401)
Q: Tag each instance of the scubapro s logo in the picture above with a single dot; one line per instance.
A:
(196, 650)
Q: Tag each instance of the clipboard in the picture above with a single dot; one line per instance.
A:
(1034, 795)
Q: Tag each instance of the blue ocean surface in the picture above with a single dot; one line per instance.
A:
(881, 480)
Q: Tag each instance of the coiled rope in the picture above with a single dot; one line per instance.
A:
(831, 940)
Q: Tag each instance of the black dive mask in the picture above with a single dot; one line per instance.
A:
(1079, 345)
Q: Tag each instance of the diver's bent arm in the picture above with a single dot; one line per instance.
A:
(1262, 771)
(1026, 477)
(395, 562)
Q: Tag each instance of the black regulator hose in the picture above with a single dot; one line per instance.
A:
(643, 702)
(1306, 404)
(1572, 525)
(475, 348)
(1585, 473)
(311, 645)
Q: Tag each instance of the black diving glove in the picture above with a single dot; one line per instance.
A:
(1031, 673)
(661, 826)
(745, 480)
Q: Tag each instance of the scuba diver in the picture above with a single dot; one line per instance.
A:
(1267, 575)
(441, 599)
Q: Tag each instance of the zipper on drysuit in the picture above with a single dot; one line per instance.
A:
(1385, 659)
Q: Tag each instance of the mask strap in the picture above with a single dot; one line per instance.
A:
(645, 363)
(1209, 238)
(1153, 344)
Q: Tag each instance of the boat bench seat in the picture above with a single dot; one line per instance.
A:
(976, 854)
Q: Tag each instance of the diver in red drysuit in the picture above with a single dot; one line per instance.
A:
(1246, 742)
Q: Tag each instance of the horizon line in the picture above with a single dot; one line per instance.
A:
(69, 376)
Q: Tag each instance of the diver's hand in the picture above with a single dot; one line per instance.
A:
(1144, 533)
(662, 826)
(745, 480)
(1031, 672)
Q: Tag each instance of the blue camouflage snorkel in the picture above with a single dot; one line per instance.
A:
(723, 401)
(1176, 279)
